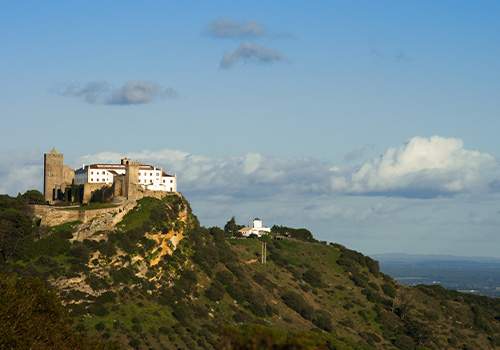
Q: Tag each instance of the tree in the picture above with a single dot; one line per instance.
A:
(401, 304)
(15, 228)
(231, 227)
(33, 318)
(34, 197)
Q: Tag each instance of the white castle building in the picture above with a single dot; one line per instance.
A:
(149, 177)
(257, 229)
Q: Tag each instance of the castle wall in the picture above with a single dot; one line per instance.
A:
(119, 185)
(141, 192)
(52, 216)
(68, 175)
(88, 188)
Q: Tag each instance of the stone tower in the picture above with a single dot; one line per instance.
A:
(53, 174)
(131, 178)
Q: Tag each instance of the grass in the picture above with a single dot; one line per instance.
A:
(66, 226)
(140, 213)
(91, 206)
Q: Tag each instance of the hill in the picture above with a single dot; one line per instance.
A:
(159, 280)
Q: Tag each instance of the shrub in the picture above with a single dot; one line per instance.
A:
(187, 282)
(107, 249)
(389, 290)
(64, 234)
(48, 246)
(135, 343)
(123, 275)
(216, 291)
(322, 319)
(81, 253)
(98, 310)
(301, 233)
(96, 283)
(106, 297)
(181, 314)
(137, 328)
(236, 291)
(295, 301)
(404, 342)
(100, 327)
(102, 195)
(313, 277)
(372, 265)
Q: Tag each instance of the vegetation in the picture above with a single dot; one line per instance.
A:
(33, 318)
(143, 287)
(299, 233)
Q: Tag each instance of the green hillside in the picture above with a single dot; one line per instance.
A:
(159, 280)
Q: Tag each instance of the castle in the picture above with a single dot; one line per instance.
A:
(129, 179)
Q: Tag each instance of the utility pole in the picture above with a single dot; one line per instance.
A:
(264, 252)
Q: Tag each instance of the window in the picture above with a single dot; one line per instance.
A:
(91, 179)
(157, 174)
(92, 173)
(171, 181)
(150, 174)
(163, 181)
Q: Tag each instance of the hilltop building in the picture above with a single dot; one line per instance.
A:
(129, 178)
(257, 229)
(149, 177)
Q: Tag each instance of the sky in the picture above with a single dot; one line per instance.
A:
(372, 124)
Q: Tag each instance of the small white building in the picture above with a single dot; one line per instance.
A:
(150, 177)
(257, 229)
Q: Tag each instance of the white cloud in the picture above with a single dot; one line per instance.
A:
(249, 53)
(21, 171)
(133, 92)
(429, 165)
(421, 167)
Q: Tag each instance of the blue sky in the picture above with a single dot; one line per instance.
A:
(373, 124)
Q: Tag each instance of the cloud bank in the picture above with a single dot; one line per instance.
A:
(420, 168)
(133, 92)
(249, 53)
(21, 171)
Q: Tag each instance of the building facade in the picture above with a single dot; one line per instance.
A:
(257, 229)
(128, 178)
(148, 177)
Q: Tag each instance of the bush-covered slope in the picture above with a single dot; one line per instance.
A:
(161, 281)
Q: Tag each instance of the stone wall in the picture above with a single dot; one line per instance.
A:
(53, 216)
(141, 192)
(68, 175)
(88, 188)
(119, 185)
